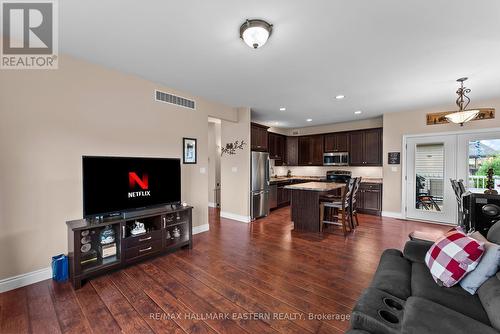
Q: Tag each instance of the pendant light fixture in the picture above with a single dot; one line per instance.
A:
(255, 33)
(462, 115)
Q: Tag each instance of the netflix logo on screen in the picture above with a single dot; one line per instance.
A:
(139, 186)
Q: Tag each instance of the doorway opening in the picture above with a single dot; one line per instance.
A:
(214, 167)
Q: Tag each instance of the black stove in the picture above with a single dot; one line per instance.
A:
(339, 176)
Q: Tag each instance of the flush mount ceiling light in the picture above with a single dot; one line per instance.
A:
(357, 112)
(309, 120)
(462, 115)
(339, 97)
(282, 109)
(255, 33)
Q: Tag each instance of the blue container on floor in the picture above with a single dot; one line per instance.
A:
(60, 268)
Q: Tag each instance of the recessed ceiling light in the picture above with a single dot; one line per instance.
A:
(309, 120)
(357, 112)
(282, 109)
(339, 97)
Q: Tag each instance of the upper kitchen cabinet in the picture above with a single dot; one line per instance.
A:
(258, 137)
(277, 148)
(292, 151)
(337, 142)
(365, 147)
(311, 150)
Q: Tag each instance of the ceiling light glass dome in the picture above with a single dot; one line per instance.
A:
(255, 33)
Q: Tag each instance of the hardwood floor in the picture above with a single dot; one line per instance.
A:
(238, 278)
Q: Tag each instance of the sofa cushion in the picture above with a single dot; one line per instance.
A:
(489, 294)
(494, 233)
(455, 298)
(415, 250)
(453, 256)
(422, 316)
(393, 274)
(487, 267)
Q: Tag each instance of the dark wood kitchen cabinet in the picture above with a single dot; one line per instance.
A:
(277, 148)
(365, 147)
(370, 198)
(258, 137)
(283, 195)
(337, 142)
(292, 151)
(311, 150)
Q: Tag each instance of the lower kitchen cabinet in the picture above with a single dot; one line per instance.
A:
(283, 195)
(370, 198)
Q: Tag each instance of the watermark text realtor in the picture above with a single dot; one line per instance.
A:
(29, 31)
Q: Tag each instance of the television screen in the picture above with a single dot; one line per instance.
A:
(116, 184)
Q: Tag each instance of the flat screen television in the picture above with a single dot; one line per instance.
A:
(118, 184)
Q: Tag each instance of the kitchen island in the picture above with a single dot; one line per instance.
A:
(305, 203)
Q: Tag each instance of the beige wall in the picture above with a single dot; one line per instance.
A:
(49, 119)
(405, 123)
(235, 169)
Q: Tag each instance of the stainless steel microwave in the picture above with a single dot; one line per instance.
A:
(336, 159)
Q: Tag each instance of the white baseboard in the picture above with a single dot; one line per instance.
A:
(229, 215)
(200, 229)
(391, 214)
(14, 282)
(212, 205)
(19, 281)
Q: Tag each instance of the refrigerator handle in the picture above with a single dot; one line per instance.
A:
(267, 171)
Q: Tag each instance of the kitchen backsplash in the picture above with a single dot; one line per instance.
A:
(373, 172)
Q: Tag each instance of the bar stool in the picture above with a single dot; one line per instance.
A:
(342, 207)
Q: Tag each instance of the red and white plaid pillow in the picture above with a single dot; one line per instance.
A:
(453, 256)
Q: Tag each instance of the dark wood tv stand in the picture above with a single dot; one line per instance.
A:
(158, 239)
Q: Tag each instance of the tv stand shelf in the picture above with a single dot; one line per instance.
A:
(167, 230)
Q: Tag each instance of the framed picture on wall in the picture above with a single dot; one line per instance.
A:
(189, 150)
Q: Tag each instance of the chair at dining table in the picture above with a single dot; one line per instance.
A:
(353, 207)
(459, 190)
(341, 207)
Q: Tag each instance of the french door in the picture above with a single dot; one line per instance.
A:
(430, 163)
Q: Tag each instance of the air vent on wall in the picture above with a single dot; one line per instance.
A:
(173, 99)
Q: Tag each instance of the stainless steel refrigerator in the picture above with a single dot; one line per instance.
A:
(259, 202)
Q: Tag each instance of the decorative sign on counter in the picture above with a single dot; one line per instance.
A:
(394, 158)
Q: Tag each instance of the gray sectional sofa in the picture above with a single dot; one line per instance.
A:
(403, 298)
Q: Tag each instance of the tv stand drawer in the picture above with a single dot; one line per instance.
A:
(142, 239)
(143, 250)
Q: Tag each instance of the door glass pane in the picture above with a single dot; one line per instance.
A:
(429, 176)
(483, 154)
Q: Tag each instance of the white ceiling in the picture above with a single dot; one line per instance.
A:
(384, 55)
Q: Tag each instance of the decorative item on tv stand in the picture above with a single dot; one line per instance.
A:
(88, 254)
(138, 228)
(107, 239)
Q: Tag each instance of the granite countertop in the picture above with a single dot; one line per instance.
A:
(316, 186)
(319, 178)
(291, 178)
(371, 180)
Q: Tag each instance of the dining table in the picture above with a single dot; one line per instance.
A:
(305, 201)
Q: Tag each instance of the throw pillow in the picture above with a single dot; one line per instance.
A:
(452, 256)
(487, 267)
